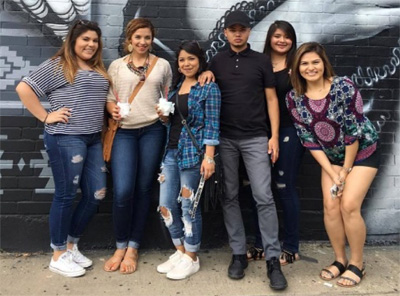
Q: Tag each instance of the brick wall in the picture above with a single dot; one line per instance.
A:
(362, 40)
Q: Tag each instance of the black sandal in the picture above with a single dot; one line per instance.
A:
(254, 253)
(338, 265)
(354, 269)
(288, 257)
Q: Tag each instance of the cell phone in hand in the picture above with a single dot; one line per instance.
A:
(334, 191)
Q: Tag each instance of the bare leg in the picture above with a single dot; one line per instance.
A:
(357, 185)
(333, 224)
(186, 193)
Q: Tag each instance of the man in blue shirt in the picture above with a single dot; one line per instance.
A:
(247, 85)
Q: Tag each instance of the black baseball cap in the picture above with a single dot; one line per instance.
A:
(237, 17)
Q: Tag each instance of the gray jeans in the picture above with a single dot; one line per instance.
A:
(256, 159)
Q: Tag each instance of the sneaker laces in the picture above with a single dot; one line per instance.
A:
(75, 253)
(185, 262)
(67, 256)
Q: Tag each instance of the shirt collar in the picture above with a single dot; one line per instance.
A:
(244, 52)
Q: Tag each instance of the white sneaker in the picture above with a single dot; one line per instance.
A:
(170, 263)
(185, 268)
(79, 258)
(66, 266)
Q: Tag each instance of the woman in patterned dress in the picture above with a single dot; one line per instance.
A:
(327, 112)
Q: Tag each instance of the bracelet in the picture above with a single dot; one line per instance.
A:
(209, 159)
(44, 121)
(347, 170)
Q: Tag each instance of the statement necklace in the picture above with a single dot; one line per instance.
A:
(139, 71)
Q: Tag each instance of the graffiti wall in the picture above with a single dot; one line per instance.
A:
(361, 37)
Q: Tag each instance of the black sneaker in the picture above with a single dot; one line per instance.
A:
(237, 266)
(277, 280)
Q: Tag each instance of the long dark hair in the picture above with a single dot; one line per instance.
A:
(298, 82)
(67, 53)
(191, 47)
(288, 29)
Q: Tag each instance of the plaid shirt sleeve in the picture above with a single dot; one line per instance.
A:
(212, 111)
(203, 122)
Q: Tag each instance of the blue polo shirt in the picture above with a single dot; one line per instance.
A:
(242, 78)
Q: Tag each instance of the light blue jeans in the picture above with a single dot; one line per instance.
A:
(184, 229)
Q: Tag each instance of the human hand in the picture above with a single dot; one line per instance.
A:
(115, 114)
(162, 117)
(61, 115)
(207, 168)
(273, 149)
(206, 77)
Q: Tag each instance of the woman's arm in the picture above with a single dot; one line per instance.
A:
(113, 110)
(326, 165)
(211, 115)
(32, 103)
(211, 126)
(208, 164)
(350, 156)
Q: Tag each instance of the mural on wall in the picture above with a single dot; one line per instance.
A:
(361, 36)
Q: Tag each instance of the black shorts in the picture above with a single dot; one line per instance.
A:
(372, 161)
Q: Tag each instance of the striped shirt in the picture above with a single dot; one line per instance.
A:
(86, 97)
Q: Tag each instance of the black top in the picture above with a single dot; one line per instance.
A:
(242, 78)
(283, 86)
(176, 121)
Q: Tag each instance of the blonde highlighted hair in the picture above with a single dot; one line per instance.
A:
(67, 54)
(298, 82)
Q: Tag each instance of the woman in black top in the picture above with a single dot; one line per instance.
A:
(280, 46)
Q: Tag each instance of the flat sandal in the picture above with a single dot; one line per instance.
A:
(354, 269)
(338, 265)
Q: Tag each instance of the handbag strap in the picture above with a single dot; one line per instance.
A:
(140, 84)
(183, 120)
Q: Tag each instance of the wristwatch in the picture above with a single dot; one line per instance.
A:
(209, 159)
(347, 170)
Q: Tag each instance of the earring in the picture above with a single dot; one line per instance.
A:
(130, 47)
(179, 70)
(151, 48)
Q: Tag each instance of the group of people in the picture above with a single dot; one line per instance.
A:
(262, 107)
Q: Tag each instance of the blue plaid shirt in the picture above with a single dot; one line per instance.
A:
(204, 104)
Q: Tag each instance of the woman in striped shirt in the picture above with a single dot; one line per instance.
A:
(75, 83)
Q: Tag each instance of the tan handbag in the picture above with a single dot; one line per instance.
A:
(113, 125)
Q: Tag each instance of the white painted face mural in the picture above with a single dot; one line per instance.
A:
(363, 36)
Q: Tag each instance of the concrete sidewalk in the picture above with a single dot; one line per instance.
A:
(28, 274)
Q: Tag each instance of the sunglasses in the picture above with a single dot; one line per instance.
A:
(84, 23)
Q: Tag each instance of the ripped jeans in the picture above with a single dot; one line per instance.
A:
(76, 162)
(183, 229)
